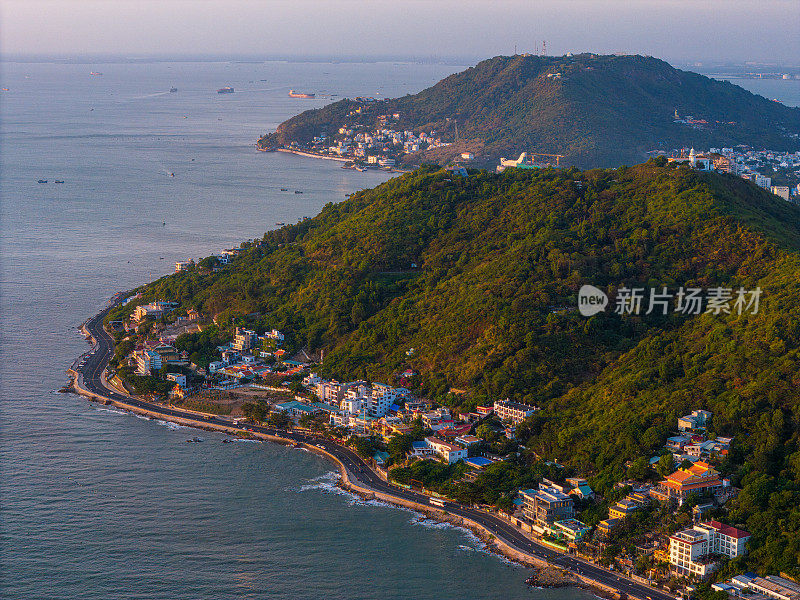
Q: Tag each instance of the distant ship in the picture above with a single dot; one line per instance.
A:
(95, 73)
(293, 94)
(226, 90)
(172, 90)
(43, 181)
(59, 181)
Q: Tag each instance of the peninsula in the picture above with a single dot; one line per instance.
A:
(588, 109)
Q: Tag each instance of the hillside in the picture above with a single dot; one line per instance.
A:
(480, 274)
(595, 110)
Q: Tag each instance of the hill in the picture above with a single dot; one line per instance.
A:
(595, 110)
(479, 275)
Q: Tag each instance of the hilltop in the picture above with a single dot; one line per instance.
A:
(479, 276)
(595, 110)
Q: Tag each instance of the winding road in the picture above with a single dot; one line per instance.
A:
(89, 371)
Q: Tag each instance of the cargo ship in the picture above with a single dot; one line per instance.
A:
(226, 90)
(293, 94)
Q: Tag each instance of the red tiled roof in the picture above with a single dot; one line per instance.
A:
(728, 530)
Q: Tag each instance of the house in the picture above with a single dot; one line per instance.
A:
(420, 449)
(468, 440)
(606, 527)
(179, 379)
(449, 452)
(153, 310)
(512, 411)
(700, 478)
(694, 551)
(697, 420)
(569, 529)
(295, 408)
(579, 487)
(244, 339)
(546, 505)
(478, 462)
(623, 509)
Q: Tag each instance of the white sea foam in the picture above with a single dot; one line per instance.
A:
(236, 439)
(113, 411)
(327, 483)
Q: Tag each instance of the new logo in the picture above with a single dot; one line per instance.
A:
(591, 300)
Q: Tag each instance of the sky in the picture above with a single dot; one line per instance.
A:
(680, 31)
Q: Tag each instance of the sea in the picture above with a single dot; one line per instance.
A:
(96, 503)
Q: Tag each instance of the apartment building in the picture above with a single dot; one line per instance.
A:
(513, 411)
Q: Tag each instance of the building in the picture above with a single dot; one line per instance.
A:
(699, 419)
(512, 411)
(700, 478)
(607, 526)
(275, 335)
(295, 408)
(570, 530)
(244, 339)
(546, 505)
(183, 265)
(420, 449)
(153, 310)
(179, 379)
(780, 190)
(696, 551)
(147, 361)
(449, 452)
(622, 509)
(468, 440)
(776, 587)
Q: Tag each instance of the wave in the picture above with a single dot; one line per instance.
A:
(246, 440)
(114, 411)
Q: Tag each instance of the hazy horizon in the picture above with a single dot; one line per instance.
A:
(679, 31)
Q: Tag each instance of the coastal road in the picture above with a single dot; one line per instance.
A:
(90, 370)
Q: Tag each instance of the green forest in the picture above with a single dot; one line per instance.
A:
(479, 276)
(596, 110)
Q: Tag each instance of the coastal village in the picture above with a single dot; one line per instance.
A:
(664, 525)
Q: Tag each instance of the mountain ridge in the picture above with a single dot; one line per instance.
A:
(596, 110)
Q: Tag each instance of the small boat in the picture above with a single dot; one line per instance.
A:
(284, 190)
(172, 90)
(5, 89)
(171, 174)
(194, 440)
(43, 181)
(225, 90)
(298, 192)
(293, 94)
(95, 73)
(59, 181)
(227, 441)
(280, 224)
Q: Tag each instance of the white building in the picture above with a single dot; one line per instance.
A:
(183, 265)
(781, 190)
(147, 361)
(513, 411)
(448, 451)
(177, 378)
(691, 550)
(244, 339)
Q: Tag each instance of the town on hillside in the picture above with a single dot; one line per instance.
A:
(663, 524)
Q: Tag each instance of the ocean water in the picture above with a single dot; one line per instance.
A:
(96, 503)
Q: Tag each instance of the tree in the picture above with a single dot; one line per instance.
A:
(279, 420)
(638, 470)
(665, 465)
(399, 446)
